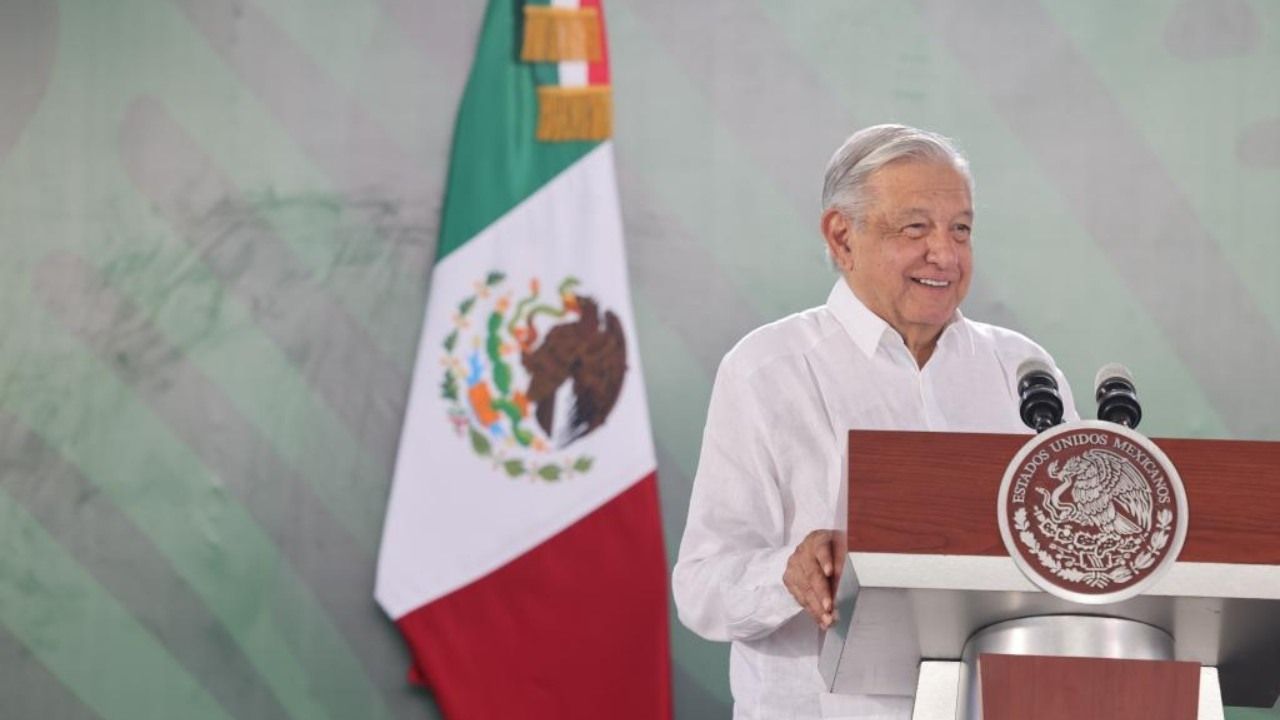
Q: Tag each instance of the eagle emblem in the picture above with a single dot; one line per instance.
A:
(1092, 511)
(528, 373)
(1107, 494)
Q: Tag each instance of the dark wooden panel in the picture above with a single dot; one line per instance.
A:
(1017, 687)
(920, 492)
(1233, 495)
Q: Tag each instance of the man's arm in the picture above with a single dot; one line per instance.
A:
(729, 579)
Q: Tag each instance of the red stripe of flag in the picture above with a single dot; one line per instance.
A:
(598, 72)
(574, 628)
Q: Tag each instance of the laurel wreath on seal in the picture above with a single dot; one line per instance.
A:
(1102, 577)
(509, 462)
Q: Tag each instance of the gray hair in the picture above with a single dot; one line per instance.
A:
(844, 187)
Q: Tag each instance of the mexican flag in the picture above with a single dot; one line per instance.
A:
(522, 555)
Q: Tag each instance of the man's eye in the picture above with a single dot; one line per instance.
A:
(962, 230)
(916, 230)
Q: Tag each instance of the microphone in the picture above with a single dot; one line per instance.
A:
(1117, 398)
(1041, 405)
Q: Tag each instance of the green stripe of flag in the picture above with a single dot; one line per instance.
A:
(496, 163)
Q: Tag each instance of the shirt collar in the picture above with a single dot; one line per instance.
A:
(865, 327)
(868, 330)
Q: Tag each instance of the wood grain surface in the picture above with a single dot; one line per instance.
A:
(922, 492)
(1017, 687)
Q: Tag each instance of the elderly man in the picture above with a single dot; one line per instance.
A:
(888, 350)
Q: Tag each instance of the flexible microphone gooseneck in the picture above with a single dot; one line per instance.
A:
(1116, 395)
(1040, 404)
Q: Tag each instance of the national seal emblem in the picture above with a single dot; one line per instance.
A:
(1092, 512)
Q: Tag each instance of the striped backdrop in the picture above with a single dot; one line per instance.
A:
(216, 221)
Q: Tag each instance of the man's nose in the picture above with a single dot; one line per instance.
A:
(941, 248)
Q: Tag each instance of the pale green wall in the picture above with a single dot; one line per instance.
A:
(217, 219)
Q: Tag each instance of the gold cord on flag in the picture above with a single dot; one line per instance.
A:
(574, 113)
(554, 34)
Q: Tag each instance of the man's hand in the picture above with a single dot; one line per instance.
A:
(808, 576)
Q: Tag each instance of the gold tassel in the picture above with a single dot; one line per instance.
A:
(574, 113)
(552, 34)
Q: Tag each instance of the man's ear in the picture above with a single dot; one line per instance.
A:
(837, 229)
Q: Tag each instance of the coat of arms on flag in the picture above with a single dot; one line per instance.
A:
(526, 375)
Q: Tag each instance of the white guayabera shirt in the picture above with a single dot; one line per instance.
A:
(770, 473)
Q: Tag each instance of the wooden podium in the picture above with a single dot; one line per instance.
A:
(925, 574)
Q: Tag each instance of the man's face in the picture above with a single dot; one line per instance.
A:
(909, 259)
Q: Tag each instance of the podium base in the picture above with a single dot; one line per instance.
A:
(1058, 635)
(1064, 636)
(938, 690)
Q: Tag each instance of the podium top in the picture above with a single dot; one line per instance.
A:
(930, 567)
(935, 493)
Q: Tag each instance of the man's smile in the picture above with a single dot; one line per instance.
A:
(930, 282)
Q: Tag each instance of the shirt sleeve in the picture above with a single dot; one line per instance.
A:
(727, 580)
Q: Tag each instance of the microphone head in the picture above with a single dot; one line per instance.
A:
(1034, 372)
(1117, 395)
(1112, 371)
(1031, 365)
(1040, 405)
